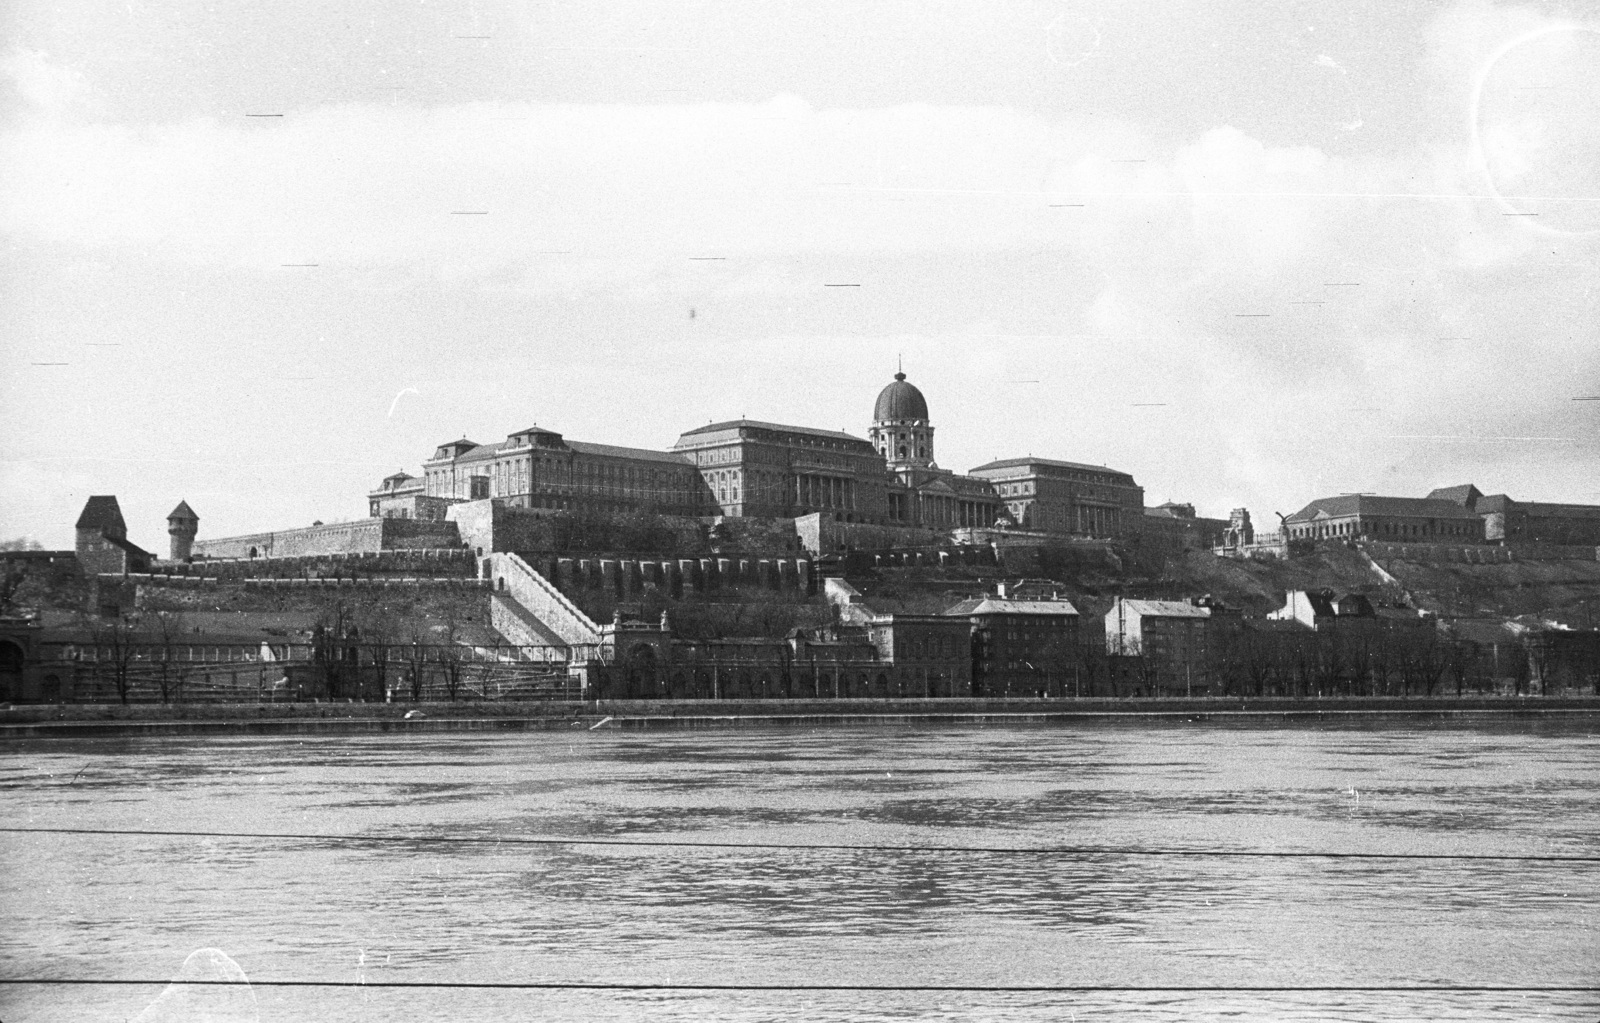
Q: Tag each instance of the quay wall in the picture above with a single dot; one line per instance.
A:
(81, 721)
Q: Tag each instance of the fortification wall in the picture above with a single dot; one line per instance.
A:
(821, 534)
(413, 534)
(432, 561)
(489, 528)
(632, 577)
(1478, 554)
(757, 536)
(364, 536)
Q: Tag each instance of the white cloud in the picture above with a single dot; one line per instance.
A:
(48, 87)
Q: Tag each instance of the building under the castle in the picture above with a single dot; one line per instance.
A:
(745, 468)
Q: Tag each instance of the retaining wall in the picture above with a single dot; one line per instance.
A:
(364, 536)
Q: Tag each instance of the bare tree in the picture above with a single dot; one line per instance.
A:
(115, 638)
(451, 630)
(332, 639)
(1258, 648)
(1091, 663)
(169, 626)
(380, 631)
(1541, 659)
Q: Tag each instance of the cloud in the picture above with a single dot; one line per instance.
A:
(47, 87)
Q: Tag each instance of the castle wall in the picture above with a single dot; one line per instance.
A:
(820, 533)
(365, 536)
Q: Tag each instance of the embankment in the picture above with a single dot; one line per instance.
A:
(80, 721)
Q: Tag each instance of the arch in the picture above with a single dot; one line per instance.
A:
(252, 552)
(880, 686)
(11, 660)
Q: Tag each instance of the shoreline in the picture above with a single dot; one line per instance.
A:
(115, 720)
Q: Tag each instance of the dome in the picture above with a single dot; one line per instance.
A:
(900, 400)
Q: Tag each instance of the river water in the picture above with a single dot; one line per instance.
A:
(119, 906)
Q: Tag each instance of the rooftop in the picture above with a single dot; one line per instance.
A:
(1160, 609)
(756, 424)
(1051, 463)
(612, 451)
(101, 512)
(1368, 504)
(974, 607)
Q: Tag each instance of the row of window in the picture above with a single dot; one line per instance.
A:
(1430, 528)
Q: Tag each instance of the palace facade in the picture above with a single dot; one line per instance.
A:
(746, 468)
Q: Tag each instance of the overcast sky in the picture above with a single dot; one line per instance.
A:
(1253, 253)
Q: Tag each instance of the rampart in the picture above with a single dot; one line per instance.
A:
(365, 536)
(820, 533)
(488, 527)
(1478, 554)
(433, 561)
(630, 577)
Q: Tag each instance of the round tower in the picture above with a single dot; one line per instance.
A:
(900, 428)
(182, 525)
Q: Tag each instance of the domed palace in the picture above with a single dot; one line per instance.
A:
(747, 468)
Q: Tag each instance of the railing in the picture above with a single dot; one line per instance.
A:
(540, 598)
(305, 653)
(298, 672)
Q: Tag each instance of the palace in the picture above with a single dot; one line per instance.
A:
(745, 468)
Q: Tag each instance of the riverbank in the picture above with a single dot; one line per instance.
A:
(78, 721)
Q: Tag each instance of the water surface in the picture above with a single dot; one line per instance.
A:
(136, 906)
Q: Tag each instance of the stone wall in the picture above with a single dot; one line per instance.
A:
(488, 527)
(631, 577)
(366, 535)
(1440, 554)
(820, 533)
(430, 561)
(756, 536)
(340, 537)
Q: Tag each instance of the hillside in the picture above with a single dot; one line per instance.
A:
(1553, 588)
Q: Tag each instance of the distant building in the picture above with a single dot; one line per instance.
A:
(404, 496)
(538, 468)
(1180, 520)
(1391, 519)
(1066, 497)
(1163, 645)
(1511, 522)
(1020, 646)
(746, 468)
(182, 526)
(1325, 609)
(102, 543)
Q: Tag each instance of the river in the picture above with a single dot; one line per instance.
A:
(400, 907)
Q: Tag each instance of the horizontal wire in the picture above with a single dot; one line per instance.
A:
(693, 843)
(562, 985)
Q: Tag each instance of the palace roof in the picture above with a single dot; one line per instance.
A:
(756, 424)
(1368, 504)
(1051, 463)
(900, 400)
(612, 451)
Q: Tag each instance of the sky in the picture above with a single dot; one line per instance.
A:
(259, 256)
